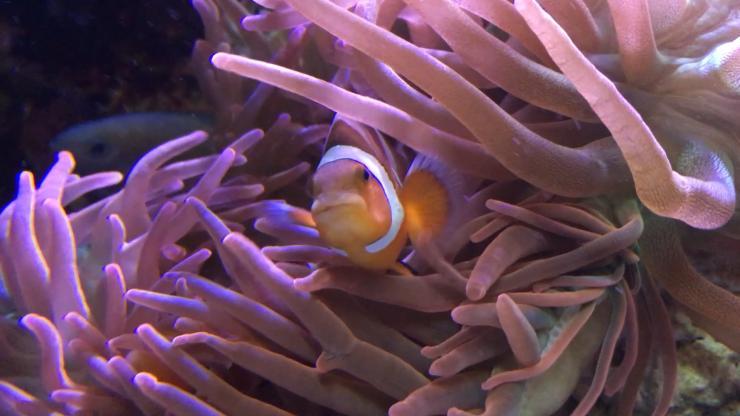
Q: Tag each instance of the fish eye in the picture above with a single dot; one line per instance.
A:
(365, 175)
(98, 149)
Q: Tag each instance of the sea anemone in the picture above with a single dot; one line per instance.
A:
(596, 137)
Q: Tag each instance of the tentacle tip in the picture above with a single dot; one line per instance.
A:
(438, 370)
(247, 23)
(239, 160)
(400, 409)
(66, 155)
(297, 34)
(488, 385)
(326, 362)
(32, 320)
(458, 315)
(316, 280)
(475, 291)
(50, 203)
(194, 202)
(231, 239)
(221, 60)
(26, 176)
(182, 340)
(72, 317)
(504, 300)
(428, 352)
(145, 380)
(25, 321)
(144, 329)
(131, 295)
(303, 284)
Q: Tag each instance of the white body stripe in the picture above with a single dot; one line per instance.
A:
(341, 152)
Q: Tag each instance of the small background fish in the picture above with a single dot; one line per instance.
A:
(64, 62)
(117, 142)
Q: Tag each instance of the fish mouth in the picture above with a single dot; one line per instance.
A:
(333, 201)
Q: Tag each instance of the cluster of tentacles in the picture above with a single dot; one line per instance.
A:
(129, 312)
(642, 104)
(202, 287)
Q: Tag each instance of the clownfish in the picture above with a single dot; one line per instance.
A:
(360, 211)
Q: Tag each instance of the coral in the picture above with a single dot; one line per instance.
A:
(582, 139)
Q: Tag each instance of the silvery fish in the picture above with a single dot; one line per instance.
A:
(117, 142)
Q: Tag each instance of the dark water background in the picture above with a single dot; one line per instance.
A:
(63, 62)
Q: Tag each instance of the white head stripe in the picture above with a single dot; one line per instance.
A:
(340, 152)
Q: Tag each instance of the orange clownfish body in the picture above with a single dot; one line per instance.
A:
(358, 210)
